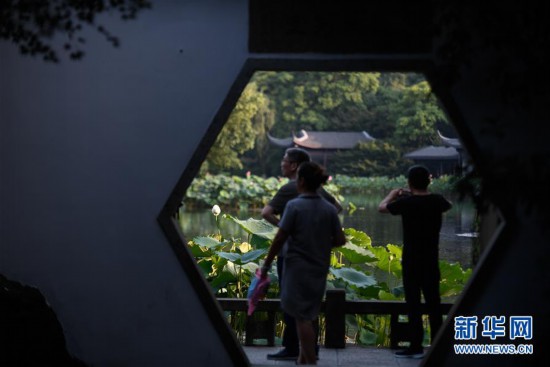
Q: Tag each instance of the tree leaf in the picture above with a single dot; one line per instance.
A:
(353, 277)
(367, 337)
(356, 254)
(252, 255)
(387, 296)
(231, 256)
(358, 238)
(259, 242)
(208, 242)
(199, 252)
(257, 227)
(387, 260)
(222, 280)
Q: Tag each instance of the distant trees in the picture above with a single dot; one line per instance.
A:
(404, 116)
(312, 100)
(398, 109)
(376, 158)
(246, 124)
(417, 115)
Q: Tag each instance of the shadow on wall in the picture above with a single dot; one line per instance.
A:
(30, 334)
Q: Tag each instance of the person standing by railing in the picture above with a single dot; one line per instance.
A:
(421, 215)
(292, 159)
(312, 228)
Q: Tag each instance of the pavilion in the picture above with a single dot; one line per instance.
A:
(441, 160)
(322, 144)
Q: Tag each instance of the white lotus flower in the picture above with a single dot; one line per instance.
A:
(216, 210)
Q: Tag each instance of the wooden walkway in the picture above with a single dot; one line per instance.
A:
(351, 356)
(335, 308)
(336, 353)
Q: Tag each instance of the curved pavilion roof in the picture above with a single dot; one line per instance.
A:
(284, 142)
(449, 142)
(431, 152)
(331, 140)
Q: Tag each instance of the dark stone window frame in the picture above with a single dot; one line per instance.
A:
(166, 218)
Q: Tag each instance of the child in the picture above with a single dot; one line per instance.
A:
(421, 215)
(311, 228)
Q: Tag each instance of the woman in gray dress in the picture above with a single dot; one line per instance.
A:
(311, 228)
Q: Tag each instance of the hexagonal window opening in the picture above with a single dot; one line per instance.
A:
(358, 118)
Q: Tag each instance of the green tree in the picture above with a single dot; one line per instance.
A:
(417, 115)
(382, 116)
(239, 132)
(376, 158)
(260, 156)
(312, 100)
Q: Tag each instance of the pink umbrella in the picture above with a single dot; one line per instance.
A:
(257, 291)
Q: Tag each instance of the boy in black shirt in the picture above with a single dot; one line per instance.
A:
(421, 214)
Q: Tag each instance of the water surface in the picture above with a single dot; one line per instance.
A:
(455, 242)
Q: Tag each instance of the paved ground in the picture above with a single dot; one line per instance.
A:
(351, 356)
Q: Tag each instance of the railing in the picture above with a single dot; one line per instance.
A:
(335, 307)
